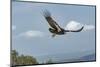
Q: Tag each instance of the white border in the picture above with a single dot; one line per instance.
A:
(5, 33)
(89, 2)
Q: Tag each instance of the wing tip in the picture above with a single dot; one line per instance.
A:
(46, 13)
(82, 28)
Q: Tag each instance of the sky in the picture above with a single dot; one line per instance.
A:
(30, 34)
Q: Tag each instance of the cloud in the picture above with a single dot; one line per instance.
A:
(31, 34)
(88, 27)
(13, 27)
(73, 25)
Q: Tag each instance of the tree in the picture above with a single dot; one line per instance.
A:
(26, 60)
(14, 55)
(22, 59)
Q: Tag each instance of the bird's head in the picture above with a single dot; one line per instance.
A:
(52, 30)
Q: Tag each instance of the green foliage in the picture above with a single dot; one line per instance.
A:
(14, 55)
(22, 59)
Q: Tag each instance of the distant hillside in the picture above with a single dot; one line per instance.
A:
(90, 57)
(65, 57)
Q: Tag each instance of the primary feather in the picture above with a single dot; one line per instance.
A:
(51, 21)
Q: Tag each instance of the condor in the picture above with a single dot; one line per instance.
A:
(55, 29)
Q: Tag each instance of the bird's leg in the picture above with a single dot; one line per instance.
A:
(53, 35)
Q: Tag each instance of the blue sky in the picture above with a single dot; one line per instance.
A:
(30, 35)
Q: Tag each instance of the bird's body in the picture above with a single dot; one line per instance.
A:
(55, 29)
(57, 32)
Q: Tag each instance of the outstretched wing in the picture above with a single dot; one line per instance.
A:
(75, 30)
(51, 22)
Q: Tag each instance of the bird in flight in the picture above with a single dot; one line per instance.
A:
(55, 29)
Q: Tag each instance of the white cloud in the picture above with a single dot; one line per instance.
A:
(13, 27)
(88, 27)
(73, 25)
(31, 34)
